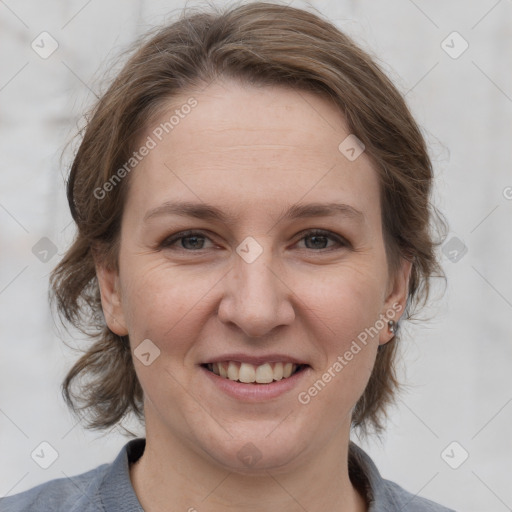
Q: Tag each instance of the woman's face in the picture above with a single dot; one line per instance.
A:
(251, 286)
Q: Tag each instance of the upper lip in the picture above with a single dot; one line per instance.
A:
(255, 360)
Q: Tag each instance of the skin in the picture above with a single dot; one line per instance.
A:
(252, 152)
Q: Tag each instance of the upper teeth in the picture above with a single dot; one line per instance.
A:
(246, 372)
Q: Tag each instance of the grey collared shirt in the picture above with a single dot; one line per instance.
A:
(108, 488)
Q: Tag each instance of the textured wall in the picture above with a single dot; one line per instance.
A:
(457, 365)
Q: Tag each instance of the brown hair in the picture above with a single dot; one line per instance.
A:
(257, 43)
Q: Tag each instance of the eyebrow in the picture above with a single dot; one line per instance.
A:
(206, 211)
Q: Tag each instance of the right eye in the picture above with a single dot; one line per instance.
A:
(194, 240)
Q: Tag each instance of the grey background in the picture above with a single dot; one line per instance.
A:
(457, 365)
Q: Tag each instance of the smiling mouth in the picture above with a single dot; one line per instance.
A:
(248, 373)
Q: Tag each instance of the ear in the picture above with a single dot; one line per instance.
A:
(396, 299)
(108, 281)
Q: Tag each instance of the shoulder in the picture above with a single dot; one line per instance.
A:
(106, 488)
(76, 493)
(384, 495)
(394, 497)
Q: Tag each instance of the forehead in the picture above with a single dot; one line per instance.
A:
(243, 145)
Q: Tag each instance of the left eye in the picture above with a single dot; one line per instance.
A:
(195, 236)
(319, 237)
(194, 240)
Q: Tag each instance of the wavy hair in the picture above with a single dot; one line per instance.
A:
(256, 43)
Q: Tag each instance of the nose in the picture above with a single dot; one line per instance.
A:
(256, 297)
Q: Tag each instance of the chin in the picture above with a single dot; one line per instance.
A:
(256, 449)
(256, 458)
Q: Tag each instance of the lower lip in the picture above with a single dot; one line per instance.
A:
(255, 392)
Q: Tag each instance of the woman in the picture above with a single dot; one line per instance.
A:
(252, 199)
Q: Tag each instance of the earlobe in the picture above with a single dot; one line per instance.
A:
(396, 300)
(108, 282)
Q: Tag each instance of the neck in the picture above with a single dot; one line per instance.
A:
(170, 472)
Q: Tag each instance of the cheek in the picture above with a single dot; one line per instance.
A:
(344, 308)
(346, 299)
(161, 302)
(166, 306)
(165, 302)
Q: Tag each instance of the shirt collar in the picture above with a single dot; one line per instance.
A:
(116, 488)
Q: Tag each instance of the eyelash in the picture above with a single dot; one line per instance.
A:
(168, 242)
